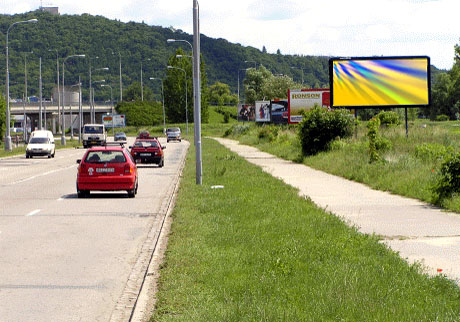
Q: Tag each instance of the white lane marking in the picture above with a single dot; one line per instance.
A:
(42, 174)
(32, 213)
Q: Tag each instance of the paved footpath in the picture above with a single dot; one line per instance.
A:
(418, 231)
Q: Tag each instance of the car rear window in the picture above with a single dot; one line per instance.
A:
(38, 140)
(146, 144)
(173, 129)
(105, 156)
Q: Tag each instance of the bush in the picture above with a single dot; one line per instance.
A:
(432, 152)
(237, 129)
(449, 178)
(442, 118)
(226, 116)
(389, 118)
(320, 127)
(268, 132)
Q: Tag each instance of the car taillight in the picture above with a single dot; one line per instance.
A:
(128, 168)
(81, 168)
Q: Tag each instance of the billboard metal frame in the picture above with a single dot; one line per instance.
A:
(331, 81)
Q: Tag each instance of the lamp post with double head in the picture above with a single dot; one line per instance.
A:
(93, 111)
(111, 105)
(8, 145)
(185, 83)
(58, 89)
(245, 69)
(163, 100)
(251, 61)
(63, 142)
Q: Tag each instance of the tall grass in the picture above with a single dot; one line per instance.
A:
(256, 251)
(401, 170)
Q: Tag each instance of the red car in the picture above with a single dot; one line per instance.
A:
(148, 150)
(107, 168)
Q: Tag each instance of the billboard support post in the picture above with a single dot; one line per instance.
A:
(407, 128)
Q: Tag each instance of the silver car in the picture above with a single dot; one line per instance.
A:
(173, 133)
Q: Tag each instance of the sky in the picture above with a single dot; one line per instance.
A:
(350, 28)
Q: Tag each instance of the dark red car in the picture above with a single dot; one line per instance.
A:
(148, 150)
(107, 168)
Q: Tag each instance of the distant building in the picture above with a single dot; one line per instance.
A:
(52, 10)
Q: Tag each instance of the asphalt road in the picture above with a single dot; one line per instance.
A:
(69, 259)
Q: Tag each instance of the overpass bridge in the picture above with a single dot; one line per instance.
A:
(53, 118)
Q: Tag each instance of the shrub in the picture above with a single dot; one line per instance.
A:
(237, 129)
(268, 132)
(226, 116)
(442, 118)
(372, 134)
(320, 127)
(389, 118)
(432, 151)
(448, 181)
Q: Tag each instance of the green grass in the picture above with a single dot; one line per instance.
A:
(401, 171)
(256, 251)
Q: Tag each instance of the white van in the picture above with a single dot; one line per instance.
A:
(93, 134)
(41, 143)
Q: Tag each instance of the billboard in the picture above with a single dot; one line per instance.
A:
(305, 99)
(380, 82)
(262, 111)
(279, 111)
(119, 120)
(246, 112)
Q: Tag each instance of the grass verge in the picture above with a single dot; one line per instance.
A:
(256, 251)
(403, 170)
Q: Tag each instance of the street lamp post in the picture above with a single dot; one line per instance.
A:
(163, 99)
(91, 90)
(185, 83)
(239, 83)
(121, 82)
(251, 61)
(197, 91)
(41, 95)
(8, 145)
(58, 89)
(142, 83)
(79, 110)
(63, 97)
(111, 104)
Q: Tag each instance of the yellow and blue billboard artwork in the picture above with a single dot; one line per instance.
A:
(398, 81)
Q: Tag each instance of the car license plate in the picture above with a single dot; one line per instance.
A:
(105, 170)
(145, 154)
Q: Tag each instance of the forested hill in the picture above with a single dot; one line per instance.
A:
(97, 36)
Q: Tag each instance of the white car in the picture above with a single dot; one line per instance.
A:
(173, 133)
(41, 143)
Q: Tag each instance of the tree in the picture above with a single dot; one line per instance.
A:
(253, 83)
(278, 86)
(177, 84)
(133, 93)
(261, 85)
(219, 94)
(140, 113)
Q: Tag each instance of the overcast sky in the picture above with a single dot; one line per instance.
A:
(317, 27)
